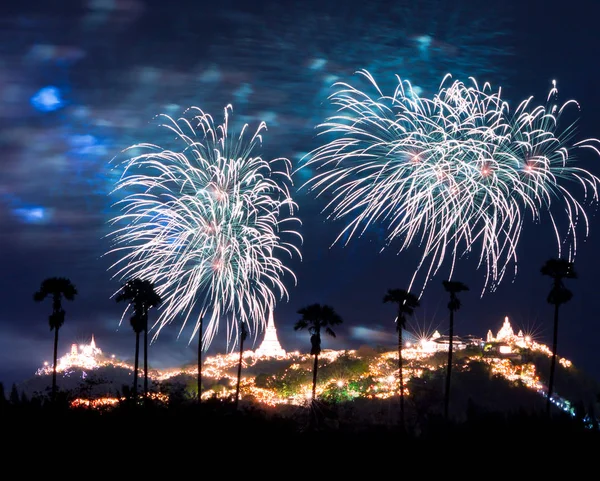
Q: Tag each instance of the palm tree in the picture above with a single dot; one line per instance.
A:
(453, 287)
(137, 324)
(199, 380)
(143, 296)
(243, 336)
(58, 288)
(316, 317)
(557, 269)
(407, 302)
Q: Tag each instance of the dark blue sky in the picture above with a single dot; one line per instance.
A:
(80, 83)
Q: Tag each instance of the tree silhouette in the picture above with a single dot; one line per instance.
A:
(141, 294)
(316, 317)
(452, 287)
(58, 288)
(14, 397)
(557, 269)
(406, 303)
(199, 381)
(243, 336)
(3, 400)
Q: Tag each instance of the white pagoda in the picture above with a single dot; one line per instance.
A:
(270, 346)
(507, 335)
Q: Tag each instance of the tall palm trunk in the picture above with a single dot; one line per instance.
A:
(315, 368)
(54, 364)
(135, 369)
(553, 363)
(200, 360)
(400, 377)
(239, 373)
(449, 368)
(146, 362)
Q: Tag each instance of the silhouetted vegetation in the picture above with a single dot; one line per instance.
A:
(406, 304)
(557, 269)
(315, 318)
(453, 288)
(365, 427)
(199, 361)
(58, 288)
(243, 336)
(142, 295)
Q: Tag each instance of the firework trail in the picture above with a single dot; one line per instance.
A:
(206, 222)
(450, 173)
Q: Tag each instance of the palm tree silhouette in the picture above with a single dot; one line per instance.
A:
(243, 336)
(557, 269)
(143, 296)
(452, 287)
(58, 288)
(407, 303)
(199, 375)
(316, 317)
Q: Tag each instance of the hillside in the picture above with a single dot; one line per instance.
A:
(361, 383)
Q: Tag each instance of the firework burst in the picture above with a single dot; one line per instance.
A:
(206, 222)
(453, 173)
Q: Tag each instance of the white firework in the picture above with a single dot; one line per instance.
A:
(209, 222)
(449, 173)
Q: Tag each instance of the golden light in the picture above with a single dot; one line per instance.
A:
(382, 369)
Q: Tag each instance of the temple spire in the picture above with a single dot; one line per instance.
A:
(270, 346)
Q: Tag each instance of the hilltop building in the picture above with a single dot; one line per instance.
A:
(507, 335)
(437, 342)
(506, 340)
(270, 346)
(83, 356)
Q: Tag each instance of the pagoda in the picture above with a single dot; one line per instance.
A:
(270, 346)
(507, 335)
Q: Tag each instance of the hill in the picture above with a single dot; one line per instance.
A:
(362, 384)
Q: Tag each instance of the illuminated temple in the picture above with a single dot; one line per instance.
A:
(84, 356)
(270, 346)
(504, 341)
(507, 335)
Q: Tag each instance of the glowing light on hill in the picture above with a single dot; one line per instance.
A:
(379, 381)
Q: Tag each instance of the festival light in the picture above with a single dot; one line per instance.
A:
(83, 356)
(382, 371)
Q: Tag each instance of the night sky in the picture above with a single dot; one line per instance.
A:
(82, 81)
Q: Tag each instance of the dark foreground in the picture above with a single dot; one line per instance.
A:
(191, 438)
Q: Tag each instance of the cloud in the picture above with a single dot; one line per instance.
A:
(371, 334)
